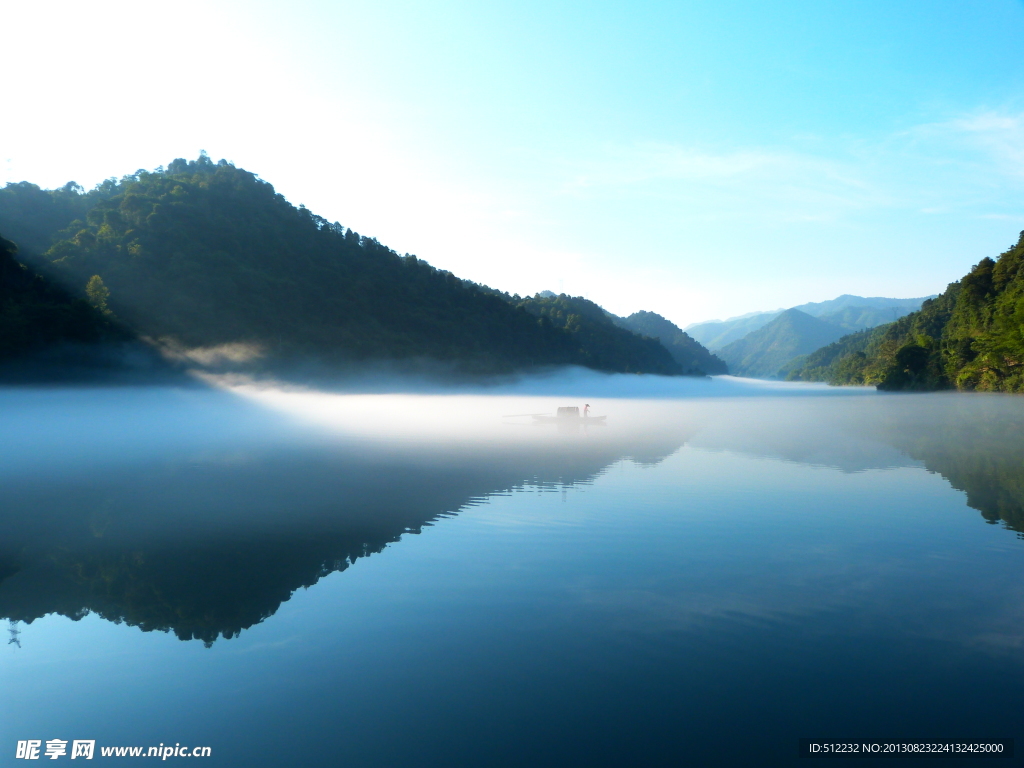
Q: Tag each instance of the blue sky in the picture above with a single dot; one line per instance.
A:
(697, 159)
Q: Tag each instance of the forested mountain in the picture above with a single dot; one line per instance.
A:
(971, 337)
(690, 354)
(860, 320)
(603, 344)
(763, 353)
(840, 362)
(848, 311)
(202, 254)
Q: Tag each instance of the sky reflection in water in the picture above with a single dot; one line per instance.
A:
(705, 579)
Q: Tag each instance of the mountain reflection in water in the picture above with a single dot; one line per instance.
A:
(976, 442)
(209, 535)
(207, 543)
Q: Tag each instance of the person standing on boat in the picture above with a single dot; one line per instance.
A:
(586, 410)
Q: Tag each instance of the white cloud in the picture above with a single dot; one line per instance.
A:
(999, 136)
(966, 163)
(747, 181)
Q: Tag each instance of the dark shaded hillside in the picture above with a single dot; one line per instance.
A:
(35, 314)
(764, 352)
(602, 344)
(48, 335)
(691, 355)
(971, 337)
(204, 254)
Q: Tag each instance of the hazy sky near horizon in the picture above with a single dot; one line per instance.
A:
(698, 159)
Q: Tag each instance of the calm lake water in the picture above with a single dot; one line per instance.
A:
(305, 579)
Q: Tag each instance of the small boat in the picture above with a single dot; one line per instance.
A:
(570, 415)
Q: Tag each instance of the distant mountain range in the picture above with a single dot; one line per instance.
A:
(763, 353)
(851, 312)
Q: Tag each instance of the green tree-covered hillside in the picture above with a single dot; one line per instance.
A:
(692, 356)
(971, 337)
(764, 352)
(202, 254)
(601, 343)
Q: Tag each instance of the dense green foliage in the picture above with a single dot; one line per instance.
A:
(203, 254)
(601, 343)
(860, 320)
(971, 338)
(35, 314)
(692, 356)
(839, 362)
(764, 352)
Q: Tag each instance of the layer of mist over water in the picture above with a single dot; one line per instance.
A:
(716, 569)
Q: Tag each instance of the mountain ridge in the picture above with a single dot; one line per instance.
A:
(716, 334)
(204, 254)
(691, 355)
